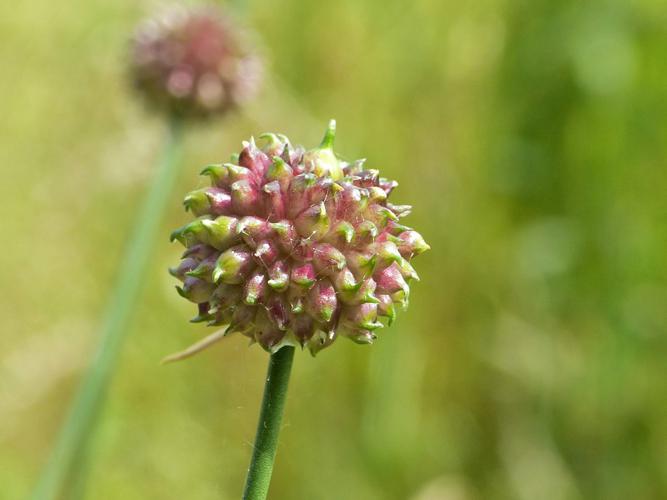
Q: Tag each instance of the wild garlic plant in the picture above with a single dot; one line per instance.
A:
(293, 248)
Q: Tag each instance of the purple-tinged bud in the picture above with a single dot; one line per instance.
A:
(387, 185)
(296, 297)
(387, 236)
(395, 229)
(351, 202)
(365, 234)
(341, 233)
(233, 265)
(368, 177)
(303, 327)
(220, 202)
(254, 158)
(304, 275)
(244, 197)
(327, 258)
(242, 320)
(380, 215)
(362, 264)
(278, 312)
(267, 334)
(195, 290)
(313, 223)
(226, 296)
(399, 210)
(205, 268)
(344, 281)
(412, 244)
(199, 251)
(203, 313)
(323, 189)
(267, 252)
(386, 308)
(322, 301)
(218, 174)
(401, 298)
(321, 340)
(304, 251)
(364, 293)
(362, 337)
(190, 234)
(279, 276)
(286, 235)
(387, 252)
(362, 316)
(185, 266)
(211, 200)
(275, 201)
(197, 202)
(254, 290)
(294, 157)
(253, 230)
(299, 193)
(407, 270)
(219, 233)
(275, 144)
(376, 194)
(280, 172)
(390, 280)
(238, 173)
(220, 317)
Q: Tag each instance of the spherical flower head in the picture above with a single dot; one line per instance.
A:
(194, 63)
(294, 247)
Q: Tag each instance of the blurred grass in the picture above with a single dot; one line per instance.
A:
(530, 136)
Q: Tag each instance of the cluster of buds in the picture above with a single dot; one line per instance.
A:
(296, 247)
(193, 63)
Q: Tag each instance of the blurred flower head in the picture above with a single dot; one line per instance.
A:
(296, 247)
(194, 62)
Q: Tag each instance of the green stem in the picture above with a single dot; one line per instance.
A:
(268, 428)
(64, 472)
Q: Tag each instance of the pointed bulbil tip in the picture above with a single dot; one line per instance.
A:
(274, 144)
(322, 160)
(329, 136)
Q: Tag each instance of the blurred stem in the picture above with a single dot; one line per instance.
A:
(268, 427)
(64, 474)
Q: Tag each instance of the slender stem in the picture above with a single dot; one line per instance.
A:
(64, 473)
(268, 427)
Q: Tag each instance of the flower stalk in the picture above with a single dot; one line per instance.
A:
(268, 427)
(64, 473)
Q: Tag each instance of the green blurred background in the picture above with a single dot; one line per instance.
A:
(531, 137)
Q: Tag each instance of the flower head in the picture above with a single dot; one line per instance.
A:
(194, 62)
(296, 247)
